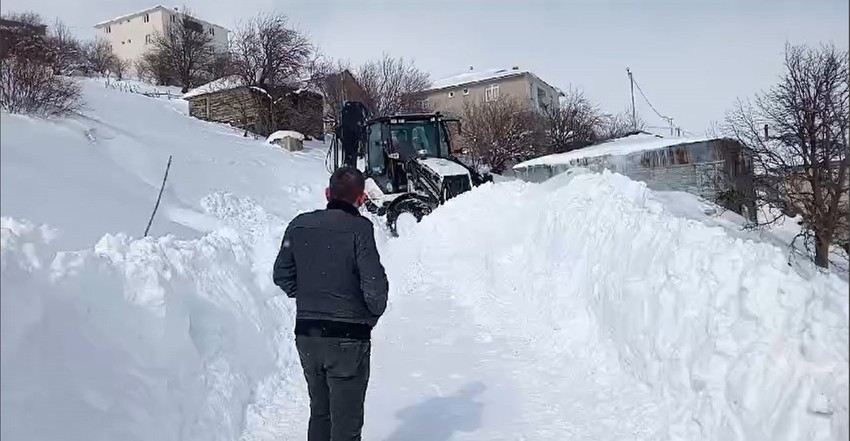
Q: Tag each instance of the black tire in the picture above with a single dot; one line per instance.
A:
(417, 208)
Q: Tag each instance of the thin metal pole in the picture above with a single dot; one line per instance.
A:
(632, 84)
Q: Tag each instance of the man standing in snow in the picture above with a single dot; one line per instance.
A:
(329, 263)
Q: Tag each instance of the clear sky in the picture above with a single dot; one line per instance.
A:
(691, 57)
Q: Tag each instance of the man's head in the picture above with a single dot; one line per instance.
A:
(347, 184)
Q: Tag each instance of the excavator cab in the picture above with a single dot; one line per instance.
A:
(392, 143)
(407, 160)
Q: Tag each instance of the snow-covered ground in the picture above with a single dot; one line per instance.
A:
(586, 307)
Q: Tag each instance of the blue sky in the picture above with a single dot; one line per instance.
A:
(693, 58)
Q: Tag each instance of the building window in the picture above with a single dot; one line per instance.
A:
(109, 29)
(173, 18)
(451, 94)
(465, 91)
(147, 18)
(212, 31)
(491, 93)
(148, 39)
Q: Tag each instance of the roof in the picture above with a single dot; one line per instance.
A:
(147, 11)
(472, 77)
(616, 147)
(133, 14)
(219, 85)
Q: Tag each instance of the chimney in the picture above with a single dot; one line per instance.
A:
(515, 68)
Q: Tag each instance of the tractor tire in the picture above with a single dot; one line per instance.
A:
(417, 208)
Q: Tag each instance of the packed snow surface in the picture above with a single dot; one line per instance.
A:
(586, 307)
(619, 147)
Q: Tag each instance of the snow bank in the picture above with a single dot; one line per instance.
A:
(144, 339)
(736, 344)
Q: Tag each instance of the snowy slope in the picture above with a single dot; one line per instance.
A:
(107, 336)
(585, 308)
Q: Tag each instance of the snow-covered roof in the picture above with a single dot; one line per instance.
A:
(475, 77)
(618, 147)
(131, 15)
(148, 11)
(280, 134)
(471, 77)
(219, 85)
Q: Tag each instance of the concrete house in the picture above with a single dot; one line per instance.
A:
(448, 95)
(131, 35)
(719, 170)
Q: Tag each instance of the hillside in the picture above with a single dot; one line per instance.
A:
(586, 307)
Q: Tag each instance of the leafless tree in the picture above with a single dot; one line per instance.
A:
(119, 67)
(154, 68)
(28, 85)
(501, 133)
(186, 49)
(99, 56)
(28, 17)
(620, 124)
(573, 123)
(269, 57)
(798, 135)
(393, 85)
(64, 50)
(267, 51)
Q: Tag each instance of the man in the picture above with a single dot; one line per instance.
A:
(329, 263)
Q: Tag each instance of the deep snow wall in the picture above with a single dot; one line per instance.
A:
(154, 338)
(737, 343)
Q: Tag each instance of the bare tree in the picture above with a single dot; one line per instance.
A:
(573, 123)
(65, 51)
(268, 52)
(269, 57)
(28, 85)
(27, 17)
(620, 124)
(99, 57)
(797, 132)
(501, 133)
(119, 67)
(154, 68)
(393, 85)
(186, 49)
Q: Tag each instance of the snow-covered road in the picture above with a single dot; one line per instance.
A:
(586, 307)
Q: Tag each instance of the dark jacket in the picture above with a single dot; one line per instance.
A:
(329, 263)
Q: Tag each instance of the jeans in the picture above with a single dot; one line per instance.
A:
(337, 374)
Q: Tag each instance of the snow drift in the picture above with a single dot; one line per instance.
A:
(135, 339)
(735, 343)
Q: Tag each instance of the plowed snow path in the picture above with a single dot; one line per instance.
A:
(438, 375)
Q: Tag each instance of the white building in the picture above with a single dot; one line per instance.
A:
(131, 35)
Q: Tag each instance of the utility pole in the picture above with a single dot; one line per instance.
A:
(632, 85)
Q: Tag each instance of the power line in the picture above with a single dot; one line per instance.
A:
(642, 94)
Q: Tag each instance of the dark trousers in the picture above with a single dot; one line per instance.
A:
(337, 373)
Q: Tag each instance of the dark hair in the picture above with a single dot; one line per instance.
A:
(347, 184)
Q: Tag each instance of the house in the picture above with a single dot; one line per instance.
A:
(719, 170)
(131, 35)
(12, 32)
(227, 100)
(449, 95)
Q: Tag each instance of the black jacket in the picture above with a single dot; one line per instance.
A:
(329, 263)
